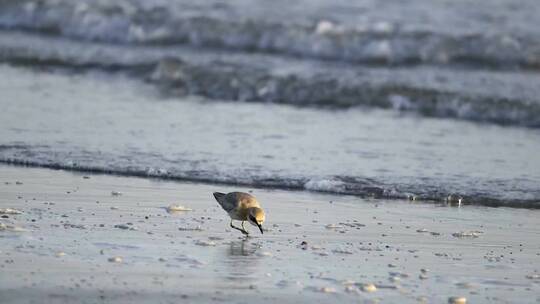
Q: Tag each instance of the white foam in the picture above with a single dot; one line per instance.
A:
(328, 185)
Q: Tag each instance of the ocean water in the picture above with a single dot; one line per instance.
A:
(383, 99)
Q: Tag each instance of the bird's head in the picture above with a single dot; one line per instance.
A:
(256, 217)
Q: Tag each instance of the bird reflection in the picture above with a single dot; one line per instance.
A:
(241, 264)
(242, 248)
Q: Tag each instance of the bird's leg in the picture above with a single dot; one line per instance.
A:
(241, 230)
(244, 228)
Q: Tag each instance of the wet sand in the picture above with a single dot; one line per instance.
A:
(100, 238)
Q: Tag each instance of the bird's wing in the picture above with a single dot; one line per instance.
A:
(246, 200)
(228, 202)
(233, 200)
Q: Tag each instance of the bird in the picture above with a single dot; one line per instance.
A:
(241, 207)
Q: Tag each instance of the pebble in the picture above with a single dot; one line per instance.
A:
(399, 274)
(464, 285)
(205, 243)
(342, 251)
(369, 287)
(463, 234)
(198, 228)
(60, 254)
(116, 259)
(457, 300)
(333, 226)
(9, 211)
(533, 276)
(4, 227)
(116, 193)
(125, 227)
(327, 290)
(177, 208)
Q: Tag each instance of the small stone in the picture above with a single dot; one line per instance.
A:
(122, 226)
(9, 211)
(422, 276)
(327, 290)
(369, 287)
(177, 208)
(465, 234)
(4, 227)
(116, 193)
(466, 285)
(205, 243)
(457, 300)
(60, 254)
(116, 259)
(333, 226)
(394, 279)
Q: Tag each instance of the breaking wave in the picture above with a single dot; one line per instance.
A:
(376, 42)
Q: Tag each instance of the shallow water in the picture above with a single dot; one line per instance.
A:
(112, 123)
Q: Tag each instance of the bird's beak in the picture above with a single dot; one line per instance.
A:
(260, 228)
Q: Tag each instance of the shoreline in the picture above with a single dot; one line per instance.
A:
(317, 247)
(370, 192)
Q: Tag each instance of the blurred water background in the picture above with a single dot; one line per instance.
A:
(388, 99)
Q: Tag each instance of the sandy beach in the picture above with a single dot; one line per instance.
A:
(73, 237)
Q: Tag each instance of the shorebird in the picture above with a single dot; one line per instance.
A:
(241, 207)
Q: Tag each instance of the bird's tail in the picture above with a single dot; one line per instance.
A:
(219, 196)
